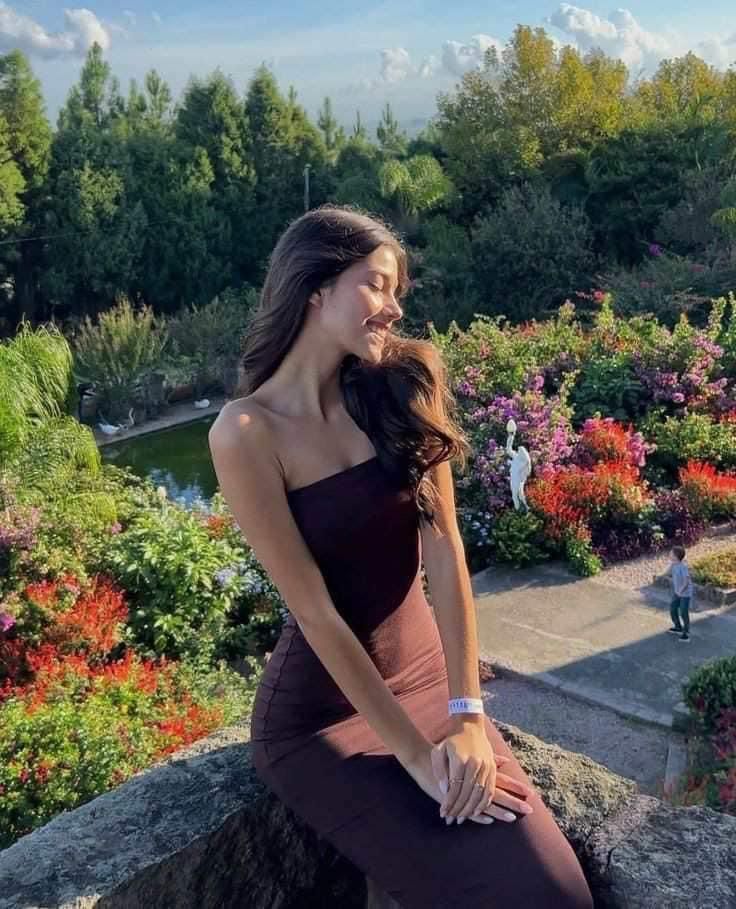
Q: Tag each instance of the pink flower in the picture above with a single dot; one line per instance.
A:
(678, 397)
(6, 621)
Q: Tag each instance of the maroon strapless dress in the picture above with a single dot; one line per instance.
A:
(321, 757)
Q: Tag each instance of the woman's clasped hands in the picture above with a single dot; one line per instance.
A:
(469, 777)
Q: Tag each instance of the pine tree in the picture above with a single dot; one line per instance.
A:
(359, 131)
(392, 140)
(27, 134)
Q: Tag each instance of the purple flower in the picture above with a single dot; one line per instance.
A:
(655, 249)
(18, 528)
(6, 621)
(225, 575)
(678, 397)
(465, 388)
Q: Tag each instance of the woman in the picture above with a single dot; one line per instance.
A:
(335, 462)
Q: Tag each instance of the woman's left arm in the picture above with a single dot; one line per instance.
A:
(451, 594)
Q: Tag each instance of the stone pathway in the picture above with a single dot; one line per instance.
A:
(637, 751)
(601, 643)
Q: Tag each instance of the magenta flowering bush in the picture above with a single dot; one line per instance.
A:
(543, 427)
(682, 369)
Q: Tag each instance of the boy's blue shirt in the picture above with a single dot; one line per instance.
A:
(682, 583)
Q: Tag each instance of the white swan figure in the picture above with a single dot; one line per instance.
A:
(520, 467)
(109, 429)
(204, 402)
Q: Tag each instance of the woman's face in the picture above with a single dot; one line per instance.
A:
(359, 309)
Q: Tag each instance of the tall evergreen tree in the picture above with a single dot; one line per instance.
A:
(328, 124)
(28, 136)
(99, 230)
(359, 130)
(392, 140)
(283, 142)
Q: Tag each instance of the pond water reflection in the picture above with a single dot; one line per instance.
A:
(176, 458)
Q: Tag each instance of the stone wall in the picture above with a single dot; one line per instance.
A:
(201, 832)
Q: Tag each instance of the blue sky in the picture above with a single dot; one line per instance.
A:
(402, 51)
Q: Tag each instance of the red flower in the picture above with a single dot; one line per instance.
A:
(94, 620)
(43, 593)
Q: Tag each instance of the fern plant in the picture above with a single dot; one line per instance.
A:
(39, 441)
(35, 383)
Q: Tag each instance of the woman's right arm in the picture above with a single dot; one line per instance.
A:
(251, 481)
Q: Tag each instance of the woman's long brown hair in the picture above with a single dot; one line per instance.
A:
(403, 403)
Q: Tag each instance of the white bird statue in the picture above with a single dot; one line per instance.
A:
(109, 429)
(130, 422)
(204, 402)
(520, 467)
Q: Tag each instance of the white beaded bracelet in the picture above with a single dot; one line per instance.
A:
(465, 705)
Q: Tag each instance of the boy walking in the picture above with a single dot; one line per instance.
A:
(682, 590)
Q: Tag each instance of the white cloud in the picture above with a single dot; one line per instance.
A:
(718, 53)
(395, 64)
(620, 35)
(459, 59)
(156, 18)
(456, 59)
(83, 28)
(396, 67)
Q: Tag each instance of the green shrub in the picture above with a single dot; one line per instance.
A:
(530, 253)
(517, 537)
(694, 437)
(206, 340)
(118, 354)
(718, 569)
(711, 689)
(181, 581)
(606, 384)
(35, 385)
(442, 288)
(580, 556)
(664, 285)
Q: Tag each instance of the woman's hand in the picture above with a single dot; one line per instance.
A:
(423, 773)
(466, 770)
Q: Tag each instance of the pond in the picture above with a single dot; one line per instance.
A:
(177, 459)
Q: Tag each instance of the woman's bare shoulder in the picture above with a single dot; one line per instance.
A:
(243, 428)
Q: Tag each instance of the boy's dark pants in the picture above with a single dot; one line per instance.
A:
(680, 609)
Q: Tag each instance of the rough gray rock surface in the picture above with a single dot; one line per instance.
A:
(201, 832)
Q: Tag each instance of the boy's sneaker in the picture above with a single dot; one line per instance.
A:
(674, 630)
(685, 637)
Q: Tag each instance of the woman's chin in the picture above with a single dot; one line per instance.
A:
(370, 351)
